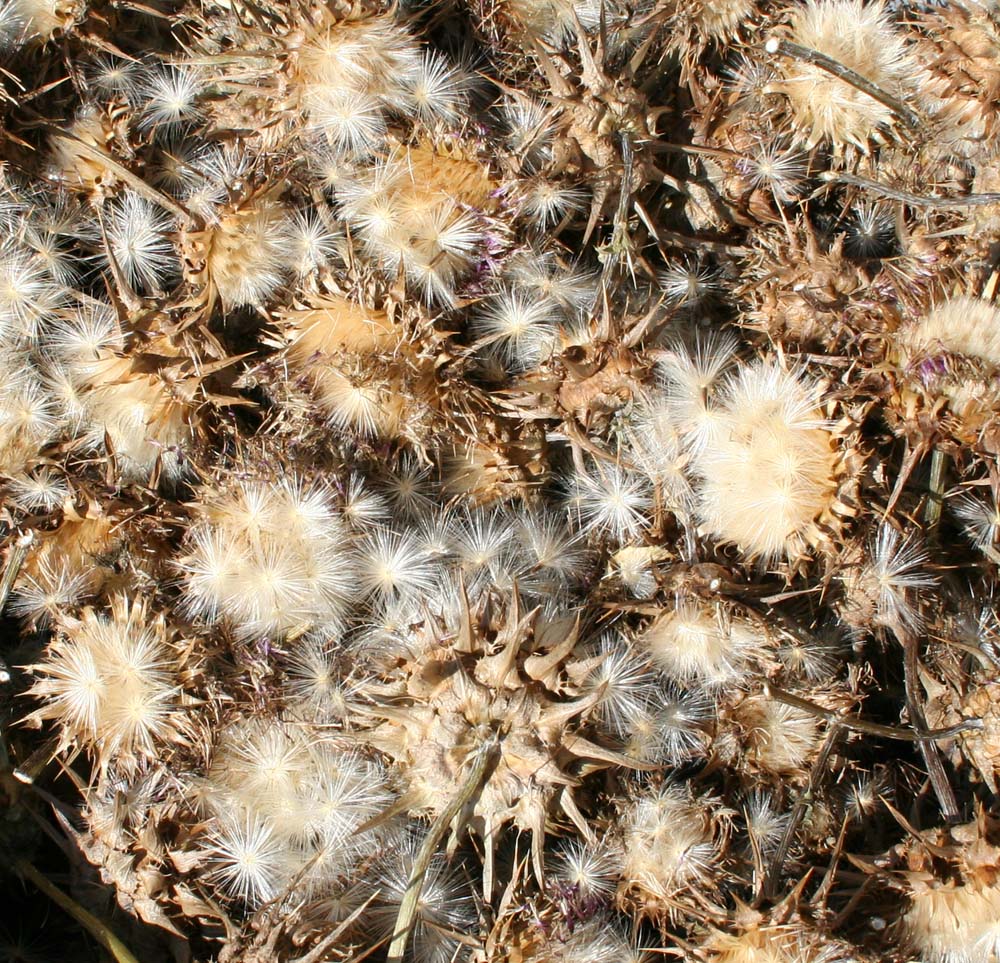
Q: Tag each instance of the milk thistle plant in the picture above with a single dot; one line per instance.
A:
(506, 482)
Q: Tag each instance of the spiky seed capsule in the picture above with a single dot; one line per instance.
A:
(452, 697)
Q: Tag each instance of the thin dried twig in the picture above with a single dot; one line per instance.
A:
(858, 724)
(488, 755)
(816, 775)
(98, 930)
(15, 559)
(928, 748)
(907, 197)
(795, 51)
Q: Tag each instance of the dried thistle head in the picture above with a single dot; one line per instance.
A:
(705, 643)
(791, 942)
(674, 843)
(285, 805)
(268, 556)
(421, 212)
(882, 583)
(29, 420)
(860, 37)
(760, 734)
(949, 356)
(691, 29)
(499, 675)
(809, 292)
(959, 695)
(355, 360)
(240, 257)
(954, 896)
(958, 46)
(72, 158)
(141, 414)
(40, 20)
(111, 682)
(961, 325)
(766, 472)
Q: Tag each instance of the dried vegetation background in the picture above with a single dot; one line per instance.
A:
(500, 480)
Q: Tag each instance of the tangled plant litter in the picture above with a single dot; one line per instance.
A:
(505, 481)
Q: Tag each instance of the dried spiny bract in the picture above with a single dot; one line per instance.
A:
(138, 405)
(773, 943)
(286, 810)
(975, 697)
(269, 558)
(36, 20)
(512, 680)
(810, 292)
(958, 45)
(862, 38)
(336, 343)
(953, 919)
(241, 256)
(673, 848)
(953, 352)
(766, 470)
(111, 682)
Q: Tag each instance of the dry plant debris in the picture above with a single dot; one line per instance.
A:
(504, 481)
